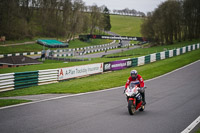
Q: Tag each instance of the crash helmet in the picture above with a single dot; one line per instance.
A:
(134, 74)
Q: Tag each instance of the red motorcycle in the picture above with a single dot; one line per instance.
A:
(134, 98)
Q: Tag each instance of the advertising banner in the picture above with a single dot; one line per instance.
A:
(117, 65)
(130, 38)
(78, 71)
(107, 66)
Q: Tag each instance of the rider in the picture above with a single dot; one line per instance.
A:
(136, 79)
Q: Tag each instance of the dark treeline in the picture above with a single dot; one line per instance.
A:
(173, 20)
(21, 19)
(129, 12)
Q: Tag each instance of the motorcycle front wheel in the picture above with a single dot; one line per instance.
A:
(131, 107)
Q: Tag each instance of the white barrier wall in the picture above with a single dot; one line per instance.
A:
(184, 49)
(7, 82)
(178, 51)
(171, 53)
(153, 57)
(162, 55)
(47, 76)
(189, 48)
(194, 47)
(141, 60)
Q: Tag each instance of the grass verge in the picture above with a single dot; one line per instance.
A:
(108, 80)
(198, 131)
(7, 102)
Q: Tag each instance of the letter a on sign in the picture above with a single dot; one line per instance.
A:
(61, 72)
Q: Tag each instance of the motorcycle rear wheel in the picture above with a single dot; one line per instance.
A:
(131, 107)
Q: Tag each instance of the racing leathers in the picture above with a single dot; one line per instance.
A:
(139, 82)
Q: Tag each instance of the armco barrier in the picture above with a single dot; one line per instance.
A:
(26, 79)
(48, 76)
(59, 53)
(11, 81)
(6, 82)
(82, 53)
(17, 54)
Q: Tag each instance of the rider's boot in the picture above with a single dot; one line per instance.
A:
(143, 98)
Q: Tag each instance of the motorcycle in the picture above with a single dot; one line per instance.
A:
(134, 98)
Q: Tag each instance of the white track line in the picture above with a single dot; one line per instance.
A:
(93, 91)
(192, 125)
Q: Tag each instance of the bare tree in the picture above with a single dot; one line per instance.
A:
(95, 15)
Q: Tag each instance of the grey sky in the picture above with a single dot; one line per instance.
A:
(139, 5)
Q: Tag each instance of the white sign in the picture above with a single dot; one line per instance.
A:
(78, 71)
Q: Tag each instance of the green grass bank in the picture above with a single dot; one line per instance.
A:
(126, 25)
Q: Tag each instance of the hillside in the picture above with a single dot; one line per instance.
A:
(126, 25)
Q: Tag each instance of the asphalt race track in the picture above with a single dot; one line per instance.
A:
(173, 103)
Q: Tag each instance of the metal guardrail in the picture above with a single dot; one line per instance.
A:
(26, 79)
(48, 76)
(7, 82)
(11, 81)
(18, 54)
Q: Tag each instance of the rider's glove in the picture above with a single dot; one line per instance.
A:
(142, 89)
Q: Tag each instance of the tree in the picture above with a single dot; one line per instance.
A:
(191, 13)
(106, 19)
(20, 19)
(12, 23)
(95, 15)
(173, 20)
